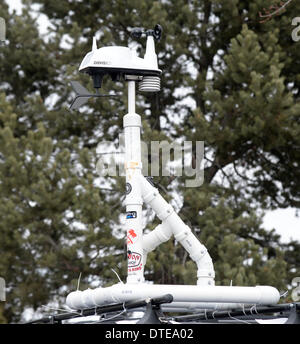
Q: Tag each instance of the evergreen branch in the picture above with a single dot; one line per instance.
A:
(243, 177)
(268, 14)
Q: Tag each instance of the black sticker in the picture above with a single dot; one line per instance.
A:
(128, 188)
(131, 215)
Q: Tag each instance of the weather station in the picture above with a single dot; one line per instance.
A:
(123, 64)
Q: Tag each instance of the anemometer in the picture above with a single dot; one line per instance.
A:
(120, 63)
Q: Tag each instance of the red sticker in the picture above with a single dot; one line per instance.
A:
(131, 235)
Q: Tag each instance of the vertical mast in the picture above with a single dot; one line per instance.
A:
(133, 201)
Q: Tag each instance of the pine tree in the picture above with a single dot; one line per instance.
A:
(58, 218)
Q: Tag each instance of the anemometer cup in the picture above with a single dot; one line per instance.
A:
(137, 32)
(157, 32)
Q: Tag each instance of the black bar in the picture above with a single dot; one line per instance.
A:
(57, 318)
(252, 311)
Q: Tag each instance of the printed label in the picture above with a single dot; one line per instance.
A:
(134, 260)
(131, 215)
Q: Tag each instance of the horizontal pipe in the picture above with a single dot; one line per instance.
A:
(198, 306)
(263, 295)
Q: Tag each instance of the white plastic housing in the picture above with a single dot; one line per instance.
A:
(116, 57)
(118, 293)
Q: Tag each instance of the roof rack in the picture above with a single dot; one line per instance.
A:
(288, 313)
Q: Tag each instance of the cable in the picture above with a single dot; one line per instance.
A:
(78, 282)
(117, 276)
(243, 321)
(115, 316)
(60, 309)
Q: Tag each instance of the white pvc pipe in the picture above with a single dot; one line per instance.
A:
(263, 295)
(131, 96)
(133, 201)
(157, 236)
(172, 223)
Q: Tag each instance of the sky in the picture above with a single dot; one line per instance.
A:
(284, 221)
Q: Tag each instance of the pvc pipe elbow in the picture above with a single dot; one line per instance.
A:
(159, 235)
(205, 272)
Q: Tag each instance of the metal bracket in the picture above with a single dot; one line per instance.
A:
(294, 317)
(154, 314)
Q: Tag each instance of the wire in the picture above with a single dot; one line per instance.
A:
(117, 276)
(115, 316)
(253, 307)
(244, 310)
(60, 309)
(243, 321)
(104, 319)
(78, 282)
(284, 294)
